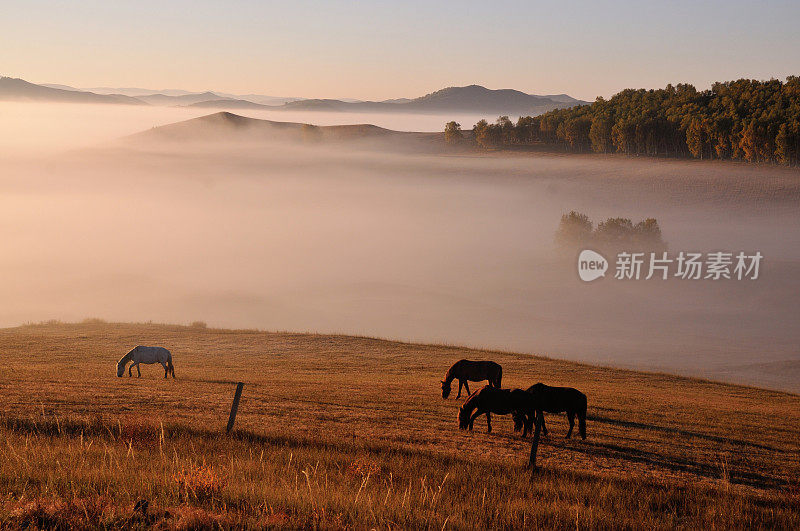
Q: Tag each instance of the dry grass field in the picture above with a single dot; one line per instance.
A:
(348, 432)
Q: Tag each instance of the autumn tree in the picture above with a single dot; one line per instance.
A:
(452, 133)
(600, 134)
(483, 134)
(750, 120)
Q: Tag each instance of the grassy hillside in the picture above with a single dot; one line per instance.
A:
(338, 431)
(228, 127)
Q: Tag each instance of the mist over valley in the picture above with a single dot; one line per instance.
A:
(248, 224)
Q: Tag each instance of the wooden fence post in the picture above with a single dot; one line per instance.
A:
(235, 406)
(535, 443)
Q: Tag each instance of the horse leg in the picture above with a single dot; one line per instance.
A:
(138, 370)
(529, 420)
(466, 385)
(130, 370)
(488, 422)
(460, 384)
(571, 419)
(165, 368)
(520, 423)
(544, 428)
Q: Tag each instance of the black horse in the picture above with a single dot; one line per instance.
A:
(493, 400)
(471, 371)
(553, 400)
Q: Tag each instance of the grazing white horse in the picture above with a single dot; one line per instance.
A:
(146, 355)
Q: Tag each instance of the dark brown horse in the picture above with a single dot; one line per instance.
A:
(471, 371)
(493, 400)
(553, 400)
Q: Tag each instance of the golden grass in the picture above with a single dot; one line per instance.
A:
(338, 432)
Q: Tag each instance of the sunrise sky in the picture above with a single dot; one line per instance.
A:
(378, 50)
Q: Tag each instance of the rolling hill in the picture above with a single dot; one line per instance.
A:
(230, 103)
(469, 99)
(224, 127)
(181, 99)
(565, 98)
(483, 100)
(190, 96)
(14, 89)
(473, 99)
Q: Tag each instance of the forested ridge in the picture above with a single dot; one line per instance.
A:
(749, 120)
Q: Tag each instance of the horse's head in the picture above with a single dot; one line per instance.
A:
(120, 368)
(463, 418)
(445, 389)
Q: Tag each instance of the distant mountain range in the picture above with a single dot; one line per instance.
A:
(472, 99)
(12, 89)
(156, 97)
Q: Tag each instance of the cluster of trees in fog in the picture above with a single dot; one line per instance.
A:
(754, 121)
(576, 229)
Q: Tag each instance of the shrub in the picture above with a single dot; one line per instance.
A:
(648, 234)
(613, 234)
(614, 231)
(200, 483)
(575, 228)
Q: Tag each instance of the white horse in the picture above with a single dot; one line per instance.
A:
(146, 355)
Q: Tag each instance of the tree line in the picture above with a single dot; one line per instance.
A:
(577, 230)
(749, 120)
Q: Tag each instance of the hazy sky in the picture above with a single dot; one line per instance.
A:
(377, 50)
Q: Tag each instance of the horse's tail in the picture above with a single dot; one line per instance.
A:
(170, 367)
(582, 417)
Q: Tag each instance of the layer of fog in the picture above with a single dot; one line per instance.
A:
(455, 249)
(38, 129)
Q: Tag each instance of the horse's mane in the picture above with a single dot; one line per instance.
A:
(127, 356)
(469, 402)
(449, 376)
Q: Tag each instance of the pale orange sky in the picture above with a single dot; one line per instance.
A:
(381, 50)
